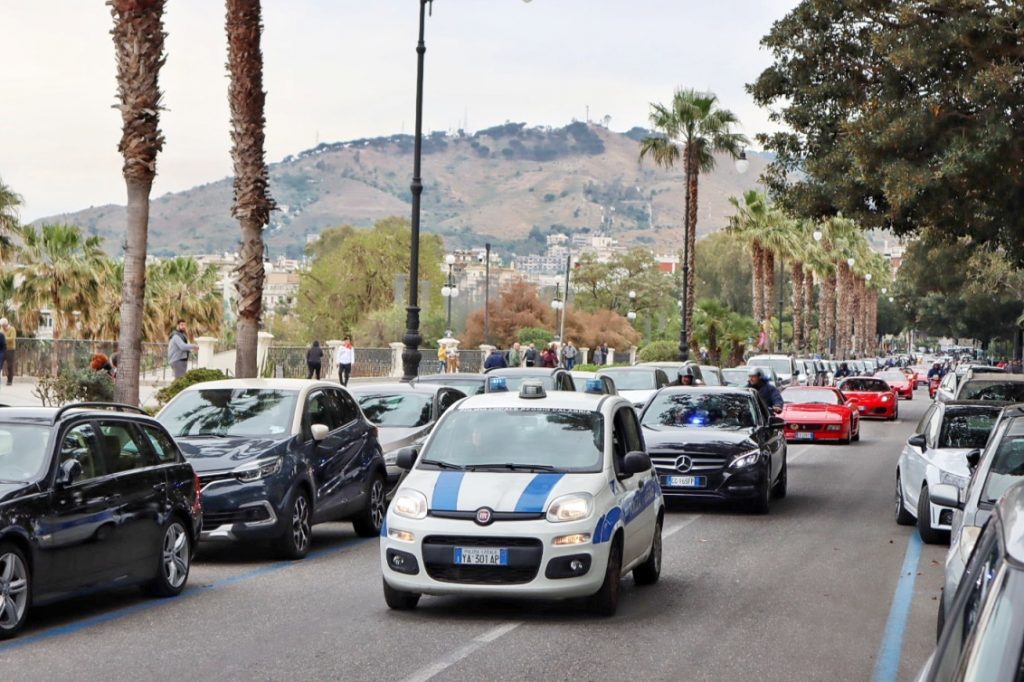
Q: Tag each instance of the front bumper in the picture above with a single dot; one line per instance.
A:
(234, 511)
(816, 433)
(427, 564)
(719, 484)
(877, 411)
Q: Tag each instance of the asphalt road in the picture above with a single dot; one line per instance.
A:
(811, 592)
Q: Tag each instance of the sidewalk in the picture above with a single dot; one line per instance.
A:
(21, 394)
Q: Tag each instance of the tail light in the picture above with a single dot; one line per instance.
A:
(197, 505)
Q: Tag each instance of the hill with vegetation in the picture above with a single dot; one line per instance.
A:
(510, 184)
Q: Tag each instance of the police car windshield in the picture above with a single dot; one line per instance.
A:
(23, 452)
(632, 379)
(559, 440)
(700, 410)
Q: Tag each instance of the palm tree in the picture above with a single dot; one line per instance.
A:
(9, 203)
(58, 272)
(776, 242)
(693, 120)
(139, 45)
(252, 202)
(751, 222)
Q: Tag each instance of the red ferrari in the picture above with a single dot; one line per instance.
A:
(819, 413)
(899, 382)
(874, 397)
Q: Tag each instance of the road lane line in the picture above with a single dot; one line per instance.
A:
(430, 671)
(887, 665)
(675, 529)
(800, 453)
(117, 614)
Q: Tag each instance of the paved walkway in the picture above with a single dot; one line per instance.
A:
(22, 394)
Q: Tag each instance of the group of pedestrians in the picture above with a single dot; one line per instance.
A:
(344, 358)
(550, 355)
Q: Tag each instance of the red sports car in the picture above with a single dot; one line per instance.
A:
(874, 397)
(819, 413)
(899, 382)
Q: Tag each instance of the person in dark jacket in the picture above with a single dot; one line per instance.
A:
(768, 393)
(532, 357)
(843, 371)
(314, 360)
(496, 360)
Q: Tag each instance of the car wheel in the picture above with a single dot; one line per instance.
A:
(294, 542)
(779, 489)
(762, 503)
(649, 571)
(15, 590)
(856, 437)
(930, 535)
(606, 601)
(940, 621)
(371, 518)
(903, 517)
(400, 600)
(175, 560)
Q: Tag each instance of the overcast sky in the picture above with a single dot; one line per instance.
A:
(344, 69)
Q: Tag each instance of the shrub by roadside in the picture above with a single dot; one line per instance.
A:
(75, 385)
(195, 376)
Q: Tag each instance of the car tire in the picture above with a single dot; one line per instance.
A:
(924, 521)
(856, 437)
(762, 503)
(369, 521)
(940, 620)
(605, 601)
(400, 600)
(779, 489)
(14, 613)
(649, 571)
(294, 542)
(903, 517)
(174, 561)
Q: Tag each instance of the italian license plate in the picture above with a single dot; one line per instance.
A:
(685, 481)
(805, 435)
(481, 556)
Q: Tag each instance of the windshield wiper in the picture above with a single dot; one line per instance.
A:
(443, 465)
(209, 434)
(512, 467)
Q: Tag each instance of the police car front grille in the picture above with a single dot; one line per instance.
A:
(482, 575)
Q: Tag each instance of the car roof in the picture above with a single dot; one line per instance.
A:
(383, 387)
(997, 376)
(650, 368)
(735, 390)
(265, 384)
(809, 388)
(523, 371)
(553, 400)
(445, 378)
(1011, 510)
(45, 415)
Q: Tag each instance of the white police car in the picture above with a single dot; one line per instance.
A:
(532, 494)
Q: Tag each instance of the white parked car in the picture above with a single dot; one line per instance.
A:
(783, 365)
(527, 494)
(638, 383)
(937, 455)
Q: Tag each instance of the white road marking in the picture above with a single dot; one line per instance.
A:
(800, 453)
(431, 671)
(675, 529)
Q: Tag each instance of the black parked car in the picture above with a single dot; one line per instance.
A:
(90, 499)
(404, 414)
(716, 443)
(277, 456)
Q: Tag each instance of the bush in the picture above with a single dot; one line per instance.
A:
(536, 335)
(659, 351)
(195, 376)
(75, 385)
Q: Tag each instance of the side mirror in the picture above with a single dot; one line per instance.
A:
(776, 422)
(70, 471)
(319, 431)
(406, 457)
(918, 441)
(946, 495)
(636, 463)
(973, 458)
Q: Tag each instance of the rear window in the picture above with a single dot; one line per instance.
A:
(966, 429)
(993, 390)
(632, 379)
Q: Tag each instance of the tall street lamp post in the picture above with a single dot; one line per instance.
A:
(558, 306)
(449, 291)
(487, 292)
(631, 315)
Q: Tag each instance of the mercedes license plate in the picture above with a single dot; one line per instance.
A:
(685, 481)
(481, 556)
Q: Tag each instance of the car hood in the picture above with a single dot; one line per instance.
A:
(698, 439)
(828, 413)
(500, 491)
(217, 454)
(953, 460)
(394, 437)
(10, 491)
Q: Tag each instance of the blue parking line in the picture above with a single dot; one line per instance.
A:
(116, 614)
(887, 665)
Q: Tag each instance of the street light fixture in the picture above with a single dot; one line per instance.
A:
(884, 291)
(891, 299)
(742, 164)
(817, 234)
(450, 290)
(850, 262)
(867, 277)
(631, 315)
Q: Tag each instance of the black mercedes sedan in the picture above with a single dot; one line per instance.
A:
(717, 443)
(277, 456)
(90, 499)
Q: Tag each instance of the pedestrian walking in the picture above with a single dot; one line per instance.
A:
(11, 334)
(531, 356)
(345, 358)
(550, 357)
(605, 354)
(598, 356)
(178, 349)
(314, 360)
(515, 356)
(570, 354)
(496, 359)
(442, 358)
(452, 356)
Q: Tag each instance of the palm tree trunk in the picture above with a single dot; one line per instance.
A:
(769, 284)
(757, 280)
(797, 273)
(252, 203)
(831, 304)
(842, 311)
(808, 307)
(139, 46)
(691, 231)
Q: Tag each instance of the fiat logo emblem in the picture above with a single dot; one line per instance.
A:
(683, 463)
(484, 516)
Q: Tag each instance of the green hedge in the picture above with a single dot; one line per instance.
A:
(659, 351)
(75, 385)
(195, 376)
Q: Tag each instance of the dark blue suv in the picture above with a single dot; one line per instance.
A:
(278, 455)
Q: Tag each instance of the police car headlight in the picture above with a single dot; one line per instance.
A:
(574, 507)
(746, 459)
(411, 504)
